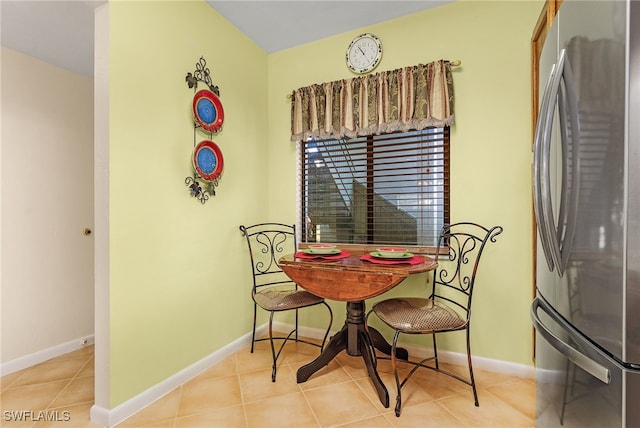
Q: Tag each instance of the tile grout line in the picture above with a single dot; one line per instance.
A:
(242, 400)
(66, 387)
(304, 394)
(446, 409)
(306, 399)
(175, 417)
(505, 402)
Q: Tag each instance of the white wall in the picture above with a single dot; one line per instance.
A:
(47, 199)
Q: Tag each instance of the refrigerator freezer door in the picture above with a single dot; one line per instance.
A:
(565, 347)
(578, 384)
(567, 395)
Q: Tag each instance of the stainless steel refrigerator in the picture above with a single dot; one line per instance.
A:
(587, 206)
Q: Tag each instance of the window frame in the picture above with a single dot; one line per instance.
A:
(363, 248)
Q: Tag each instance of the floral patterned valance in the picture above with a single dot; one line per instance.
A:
(398, 100)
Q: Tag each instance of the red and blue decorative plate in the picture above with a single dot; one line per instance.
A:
(207, 110)
(207, 160)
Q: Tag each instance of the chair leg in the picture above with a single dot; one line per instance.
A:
(296, 333)
(473, 382)
(394, 366)
(253, 334)
(435, 351)
(324, 339)
(273, 349)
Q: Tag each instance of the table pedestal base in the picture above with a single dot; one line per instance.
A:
(357, 341)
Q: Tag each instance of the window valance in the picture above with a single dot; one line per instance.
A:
(397, 100)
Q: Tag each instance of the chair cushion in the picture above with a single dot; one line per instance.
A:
(275, 299)
(417, 315)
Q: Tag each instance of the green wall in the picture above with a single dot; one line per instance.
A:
(490, 145)
(179, 284)
(179, 287)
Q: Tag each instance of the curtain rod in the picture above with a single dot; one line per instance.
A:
(454, 63)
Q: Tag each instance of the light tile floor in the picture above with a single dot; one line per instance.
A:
(238, 392)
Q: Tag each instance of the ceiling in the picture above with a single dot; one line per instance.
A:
(277, 25)
(61, 32)
(58, 32)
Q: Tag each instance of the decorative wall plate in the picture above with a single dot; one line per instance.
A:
(207, 110)
(207, 160)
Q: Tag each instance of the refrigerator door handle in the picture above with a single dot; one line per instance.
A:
(538, 160)
(578, 358)
(570, 189)
(559, 236)
(545, 170)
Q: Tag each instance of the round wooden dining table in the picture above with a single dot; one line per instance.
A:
(352, 280)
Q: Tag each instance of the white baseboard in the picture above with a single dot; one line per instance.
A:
(310, 332)
(482, 363)
(46, 354)
(112, 417)
(496, 366)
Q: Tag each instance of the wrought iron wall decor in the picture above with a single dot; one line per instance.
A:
(208, 117)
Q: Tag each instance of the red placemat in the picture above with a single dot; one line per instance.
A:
(341, 255)
(415, 260)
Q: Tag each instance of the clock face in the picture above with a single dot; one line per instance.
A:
(364, 53)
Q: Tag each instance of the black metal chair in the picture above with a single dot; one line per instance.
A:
(272, 290)
(448, 308)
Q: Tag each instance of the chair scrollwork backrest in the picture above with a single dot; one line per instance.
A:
(267, 243)
(459, 251)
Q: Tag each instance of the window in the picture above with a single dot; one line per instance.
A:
(375, 190)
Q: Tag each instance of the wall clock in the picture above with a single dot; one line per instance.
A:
(364, 53)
